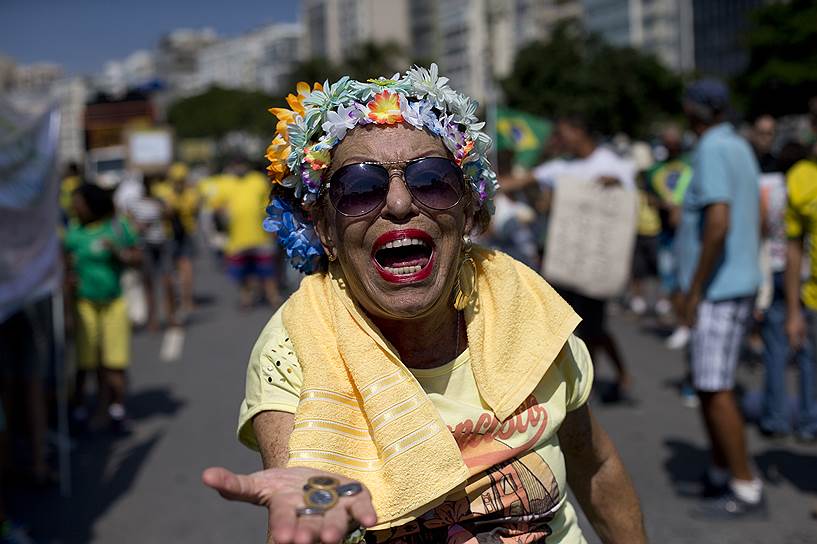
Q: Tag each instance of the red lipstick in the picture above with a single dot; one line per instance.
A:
(404, 234)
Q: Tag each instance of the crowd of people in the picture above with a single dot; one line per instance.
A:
(721, 252)
(129, 256)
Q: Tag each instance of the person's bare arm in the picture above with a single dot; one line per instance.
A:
(716, 226)
(597, 477)
(272, 430)
(795, 324)
(515, 182)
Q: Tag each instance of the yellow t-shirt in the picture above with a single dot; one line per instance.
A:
(649, 222)
(67, 187)
(184, 203)
(518, 477)
(209, 188)
(801, 218)
(244, 202)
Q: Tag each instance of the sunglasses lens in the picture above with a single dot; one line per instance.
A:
(436, 182)
(357, 189)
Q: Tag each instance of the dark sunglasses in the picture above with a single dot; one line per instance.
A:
(358, 189)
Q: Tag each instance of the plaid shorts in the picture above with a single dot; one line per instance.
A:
(714, 347)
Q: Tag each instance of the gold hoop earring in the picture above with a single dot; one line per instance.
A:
(332, 257)
(466, 287)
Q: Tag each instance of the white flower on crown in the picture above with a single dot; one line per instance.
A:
(427, 83)
(344, 119)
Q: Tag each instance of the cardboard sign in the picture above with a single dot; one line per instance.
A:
(591, 237)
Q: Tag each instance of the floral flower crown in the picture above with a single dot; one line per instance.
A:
(320, 118)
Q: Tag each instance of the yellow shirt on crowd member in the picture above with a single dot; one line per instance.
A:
(801, 218)
(244, 202)
(649, 222)
(185, 202)
(67, 187)
(517, 467)
(210, 187)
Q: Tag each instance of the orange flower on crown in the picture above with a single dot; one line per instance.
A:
(463, 152)
(384, 109)
(296, 102)
(317, 159)
(277, 154)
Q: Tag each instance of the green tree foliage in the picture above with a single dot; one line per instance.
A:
(575, 73)
(782, 72)
(219, 111)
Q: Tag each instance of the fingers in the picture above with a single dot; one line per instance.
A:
(282, 523)
(308, 530)
(231, 486)
(361, 509)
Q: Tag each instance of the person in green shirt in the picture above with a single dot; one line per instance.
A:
(98, 247)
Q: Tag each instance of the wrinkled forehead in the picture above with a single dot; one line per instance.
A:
(392, 143)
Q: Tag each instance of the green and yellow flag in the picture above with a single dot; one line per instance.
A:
(522, 133)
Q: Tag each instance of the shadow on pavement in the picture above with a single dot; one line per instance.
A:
(685, 465)
(798, 468)
(104, 468)
(152, 402)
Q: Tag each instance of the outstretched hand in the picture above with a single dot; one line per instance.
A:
(281, 492)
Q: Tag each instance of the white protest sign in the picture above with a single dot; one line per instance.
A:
(151, 148)
(591, 237)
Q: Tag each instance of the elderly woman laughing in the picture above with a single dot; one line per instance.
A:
(415, 388)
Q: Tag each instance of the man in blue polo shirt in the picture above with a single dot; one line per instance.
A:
(718, 244)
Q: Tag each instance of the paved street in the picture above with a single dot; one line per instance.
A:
(146, 488)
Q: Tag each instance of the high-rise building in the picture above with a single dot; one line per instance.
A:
(136, 69)
(334, 28)
(719, 28)
(260, 59)
(534, 19)
(661, 27)
(177, 57)
(71, 95)
(279, 57)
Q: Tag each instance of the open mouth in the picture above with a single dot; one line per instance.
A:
(402, 256)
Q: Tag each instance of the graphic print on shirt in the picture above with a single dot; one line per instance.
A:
(511, 496)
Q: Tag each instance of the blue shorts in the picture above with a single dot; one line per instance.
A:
(667, 265)
(258, 262)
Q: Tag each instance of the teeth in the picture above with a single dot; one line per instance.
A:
(404, 270)
(404, 242)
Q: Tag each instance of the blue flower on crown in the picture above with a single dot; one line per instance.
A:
(295, 234)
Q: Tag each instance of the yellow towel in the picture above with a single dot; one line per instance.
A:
(362, 413)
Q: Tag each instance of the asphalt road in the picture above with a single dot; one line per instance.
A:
(146, 488)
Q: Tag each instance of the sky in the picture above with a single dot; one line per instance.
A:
(81, 35)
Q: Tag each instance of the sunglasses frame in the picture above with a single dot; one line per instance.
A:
(405, 164)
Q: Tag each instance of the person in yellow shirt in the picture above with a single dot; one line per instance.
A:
(645, 256)
(70, 182)
(801, 327)
(182, 201)
(249, 251)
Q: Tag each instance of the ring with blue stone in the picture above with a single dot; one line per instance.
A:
(349, 490)
(321, 498)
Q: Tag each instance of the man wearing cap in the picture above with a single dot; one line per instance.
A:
(718, 243)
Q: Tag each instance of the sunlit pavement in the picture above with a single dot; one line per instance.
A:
(146, 488)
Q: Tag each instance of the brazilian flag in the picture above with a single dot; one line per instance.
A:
(522, 133)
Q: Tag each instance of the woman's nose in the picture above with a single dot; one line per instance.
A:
(399, 202)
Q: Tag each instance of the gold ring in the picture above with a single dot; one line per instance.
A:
(322, 482)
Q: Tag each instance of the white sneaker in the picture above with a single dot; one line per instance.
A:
(663, 307)
(638, 305)
(679, 338)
